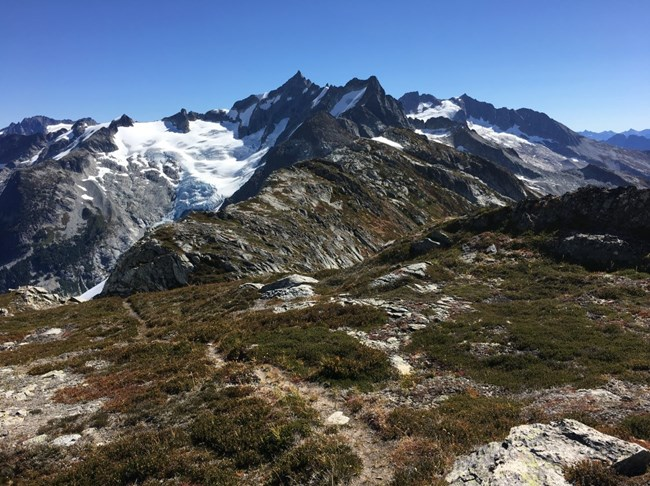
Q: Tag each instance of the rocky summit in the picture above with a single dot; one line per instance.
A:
(323, 285)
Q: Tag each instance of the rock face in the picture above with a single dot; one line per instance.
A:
(536, 454)
(320, 214)
(35, 298)
(599, 228)
(33, 125)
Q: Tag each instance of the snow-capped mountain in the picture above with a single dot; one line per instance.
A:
(544, 153)
(74, 195)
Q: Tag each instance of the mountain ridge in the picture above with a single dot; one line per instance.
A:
(116, 179)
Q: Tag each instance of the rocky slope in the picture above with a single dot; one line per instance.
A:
(321, 214)
(541, 151)
(468, 350)
(76, 195)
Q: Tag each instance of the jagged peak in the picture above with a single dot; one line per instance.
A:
(298, 81)
(123, 121)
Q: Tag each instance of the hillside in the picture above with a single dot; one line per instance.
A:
(390, 371)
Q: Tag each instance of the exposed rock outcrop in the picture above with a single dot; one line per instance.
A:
(596, 227)
(536, 454)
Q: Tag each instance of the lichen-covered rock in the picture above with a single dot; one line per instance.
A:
(536, 454)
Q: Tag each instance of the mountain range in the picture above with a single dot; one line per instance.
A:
(359, 166)
(630, 139)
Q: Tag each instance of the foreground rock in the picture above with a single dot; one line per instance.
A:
(536, 454)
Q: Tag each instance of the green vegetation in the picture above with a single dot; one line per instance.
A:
(592, 473)
(92, 326)
(431, 438)
(320, 461)
(543, 329)
(209, 385)
(314, 353)
(636, 426)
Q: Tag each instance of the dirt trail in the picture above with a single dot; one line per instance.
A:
(142, 324)
(374, 453)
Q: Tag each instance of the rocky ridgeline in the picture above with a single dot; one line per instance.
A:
(596, 227)
(343, 208)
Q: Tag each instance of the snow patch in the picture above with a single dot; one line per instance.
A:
(93, 292)
(446, 109)
(320, 96)
(347, 102)
(86, 197)
(57, 127)
(439, 136)
(388, 142)
(245, 117)
(268, 103)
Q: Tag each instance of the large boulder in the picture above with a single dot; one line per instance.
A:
(536, 454)
(602, 252)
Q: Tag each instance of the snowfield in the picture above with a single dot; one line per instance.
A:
(446, 109)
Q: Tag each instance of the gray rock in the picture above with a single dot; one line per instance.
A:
(440, 237)
(151, 269)
(598, 251)
(337, 418)
(66, 440)
(251, 286)
(288, 282)
(421, 247)
(536, 454)
(291, 293)
(416, 270)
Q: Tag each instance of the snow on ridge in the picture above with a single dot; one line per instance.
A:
(320, 96)
(387, 141)
(268, 103)
(535, 155)
(513, 130)
(439, 136)
(87, 134)
(347, 102)
(426, 110)
(58, 126)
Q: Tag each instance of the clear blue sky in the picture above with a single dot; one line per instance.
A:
(584, 62)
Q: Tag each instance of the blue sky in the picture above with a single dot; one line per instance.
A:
(584, 62)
